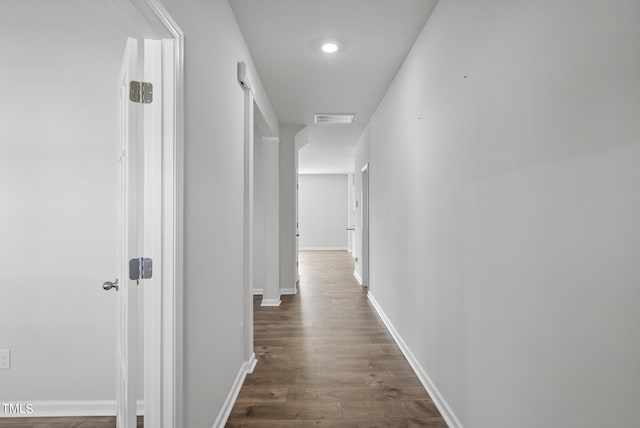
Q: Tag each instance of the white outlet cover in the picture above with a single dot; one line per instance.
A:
(5, 359)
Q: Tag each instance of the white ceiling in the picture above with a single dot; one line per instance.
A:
(285, 36)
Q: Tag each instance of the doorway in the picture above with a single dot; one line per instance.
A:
(261, 235)
(58, 164)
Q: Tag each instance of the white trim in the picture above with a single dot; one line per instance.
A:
(357, 277)
(246, 368)
(173, 237)
(322, 249)
(365, 226)
(150, 20)
(43, 409)
(154, 142)
(437, 398)
(170, 410)
(248, 217)
(254, 116)
(288, 291)
(283, 291)
(271, 302)
(172, 213)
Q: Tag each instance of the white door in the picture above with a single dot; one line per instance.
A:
(129, 218)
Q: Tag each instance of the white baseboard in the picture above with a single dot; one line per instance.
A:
(246, 368)
(270, 302)
(322, 249)
(355, 274)
(289, 291)
(446, 412)
(65, 408)
(258, 291)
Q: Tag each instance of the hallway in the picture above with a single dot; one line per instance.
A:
(326, 360)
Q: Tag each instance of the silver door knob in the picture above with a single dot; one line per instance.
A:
(109, 285)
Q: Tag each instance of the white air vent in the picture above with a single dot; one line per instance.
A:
(333, 118)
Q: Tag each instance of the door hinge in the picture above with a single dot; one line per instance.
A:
(140, 268)
(140, 92)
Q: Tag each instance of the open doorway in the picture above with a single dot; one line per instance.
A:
(323, 219)
(266, 236)
(323, 212)
(261, 216)
(59, 165)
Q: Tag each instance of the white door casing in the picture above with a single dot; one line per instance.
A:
(365, 226)
(248, 215)
(297, 219)
(163, 207)
(151, 243)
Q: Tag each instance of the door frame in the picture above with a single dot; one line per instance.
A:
(364, 212)
(130, 144)
(296, 198)
(248, 219)
(150, 21)
(254, 115)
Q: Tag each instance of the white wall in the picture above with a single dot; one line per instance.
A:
(288, 173)
(213, 217)
(505, 206)
(266, 274)
(271, 154)
(322, 211)
(258, 213)
(60, 65)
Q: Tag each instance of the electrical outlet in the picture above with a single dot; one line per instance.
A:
(5, 359)
(242, 328)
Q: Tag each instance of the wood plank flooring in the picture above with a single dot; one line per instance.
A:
(326, 360)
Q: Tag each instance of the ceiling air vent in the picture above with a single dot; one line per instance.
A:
(333, 118)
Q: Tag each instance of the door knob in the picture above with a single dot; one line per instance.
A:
(109, 285)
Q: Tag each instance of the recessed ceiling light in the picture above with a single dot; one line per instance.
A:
(329, 47)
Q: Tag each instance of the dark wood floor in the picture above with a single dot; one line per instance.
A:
(69, 422)
(326, 360)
